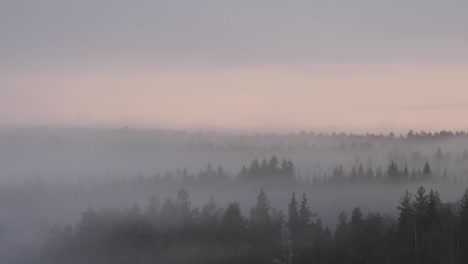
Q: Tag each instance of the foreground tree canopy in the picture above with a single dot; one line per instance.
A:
(427, 231)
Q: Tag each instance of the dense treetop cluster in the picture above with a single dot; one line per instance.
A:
(269, 170)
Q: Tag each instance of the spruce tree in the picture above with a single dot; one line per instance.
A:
(427, 172)
(463, 218)
(260, 213)
(183, 204)
(293, 224)
(420, 206)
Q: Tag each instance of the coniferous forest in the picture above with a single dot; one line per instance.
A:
(427, 230)
(131, 196)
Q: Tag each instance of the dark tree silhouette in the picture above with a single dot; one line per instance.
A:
(427, 231)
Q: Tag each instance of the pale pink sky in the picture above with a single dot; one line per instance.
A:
(280, 98)
(236, 65)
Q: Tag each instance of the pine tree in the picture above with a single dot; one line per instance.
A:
(232, 221)
(293, 212)
(254, 169)
(341, 237)
(305, 237)
(427, 172)
(420, 206)
(433, 205)
(405, 174)
(261, 230)
(288, 169)
(183, 204)
(305, 214)
(435, 246)
(463, 218)
(372, 238)
(393, 172)
(260, 213)
(338, 174)
(168, 214)
(405, 218)
(273, 168)
(356, 218)
(293, 224)
(210, 214)
(233, 227)
(356, 233)
(244, 173)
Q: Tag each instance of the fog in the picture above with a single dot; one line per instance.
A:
(225, 132)
(50, 176)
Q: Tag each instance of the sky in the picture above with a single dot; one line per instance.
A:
(257, 65)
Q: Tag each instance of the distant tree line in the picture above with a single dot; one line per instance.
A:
(270, 169)
(393, 173)
(427, 231)
(276, 171)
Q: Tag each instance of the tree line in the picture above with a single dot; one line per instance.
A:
(393, 173)
(270, 170)
(427, 231)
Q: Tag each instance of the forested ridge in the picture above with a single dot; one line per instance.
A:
(427, 230)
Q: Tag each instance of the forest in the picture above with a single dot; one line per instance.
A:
(73, 195)
(427, 230)
(73, 154)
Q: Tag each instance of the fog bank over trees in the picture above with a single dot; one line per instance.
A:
(122, 153)
(54, 181)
